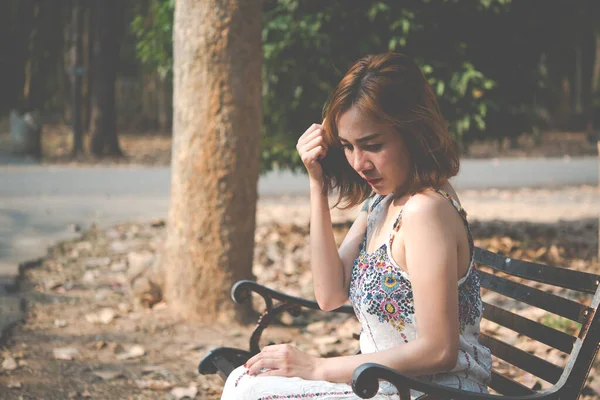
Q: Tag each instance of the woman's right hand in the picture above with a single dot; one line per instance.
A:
(312, 148)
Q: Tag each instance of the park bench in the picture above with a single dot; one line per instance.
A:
(515, 279)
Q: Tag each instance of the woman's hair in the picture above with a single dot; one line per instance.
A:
(391, 89)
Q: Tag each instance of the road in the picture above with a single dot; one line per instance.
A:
(41, 181)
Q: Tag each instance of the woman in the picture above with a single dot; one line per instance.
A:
(406, 264)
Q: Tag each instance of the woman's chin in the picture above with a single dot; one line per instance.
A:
(381, 191)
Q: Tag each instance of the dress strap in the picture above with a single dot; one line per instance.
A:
(463, 215)
(395, 228)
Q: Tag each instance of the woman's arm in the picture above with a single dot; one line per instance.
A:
(431, 251)
(331, 267)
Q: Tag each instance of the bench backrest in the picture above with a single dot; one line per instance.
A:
(517, 280)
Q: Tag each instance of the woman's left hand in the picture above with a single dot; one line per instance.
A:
(283, 360)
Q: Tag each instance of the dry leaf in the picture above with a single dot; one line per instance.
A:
(154, 384)
(14, 385)
(180, 393)
(133, 352)
(9, 364)
(60, 323)
(109, 375)
(100, 344)
(106, 315)
(65, 353)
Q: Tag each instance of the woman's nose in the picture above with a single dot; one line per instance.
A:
(360, 162)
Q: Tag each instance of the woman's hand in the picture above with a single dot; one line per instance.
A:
(312, 148)
(283, 360)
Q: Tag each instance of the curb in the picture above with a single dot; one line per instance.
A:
(12, 305)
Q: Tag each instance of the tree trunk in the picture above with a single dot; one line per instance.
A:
(89, 52)
(215, 162)
(18, 60)
(76, 76)
(103, 122)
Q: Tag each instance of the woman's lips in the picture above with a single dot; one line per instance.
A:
(374, 181)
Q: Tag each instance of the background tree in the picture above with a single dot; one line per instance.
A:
(215, 156)
(107, 22)
(77, 72)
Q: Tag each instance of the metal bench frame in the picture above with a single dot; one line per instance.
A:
(567, 383)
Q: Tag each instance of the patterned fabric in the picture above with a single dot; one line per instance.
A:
(382, 297)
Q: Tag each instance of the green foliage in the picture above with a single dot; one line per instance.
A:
(307, 51)
(153, 30)
(309, 45)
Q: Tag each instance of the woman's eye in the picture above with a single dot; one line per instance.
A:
(346, 147)
(373, 147)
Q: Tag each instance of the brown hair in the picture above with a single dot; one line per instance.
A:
(389, 88)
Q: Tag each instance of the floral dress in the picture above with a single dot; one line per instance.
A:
(382, 297)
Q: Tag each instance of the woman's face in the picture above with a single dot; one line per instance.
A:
(375, 151)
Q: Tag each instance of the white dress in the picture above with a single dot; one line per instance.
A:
(382, 297)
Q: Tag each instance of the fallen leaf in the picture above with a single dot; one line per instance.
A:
(65, 353)
(181, 393)
(109, 375)
(14, 385)
(100, 344)
(154, 384)
(60, 323)
(133, 352)
(9, 364)
(106, 315)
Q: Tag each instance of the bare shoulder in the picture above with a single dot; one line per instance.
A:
(426, 206)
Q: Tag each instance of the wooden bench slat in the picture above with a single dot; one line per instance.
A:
(521, 359)
(534, 330)
(507, 386)
(561, 277)
(555, 304)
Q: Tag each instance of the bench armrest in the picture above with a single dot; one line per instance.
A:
(365, 383)
(242, 290)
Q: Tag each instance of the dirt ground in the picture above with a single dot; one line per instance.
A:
(89, 335)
